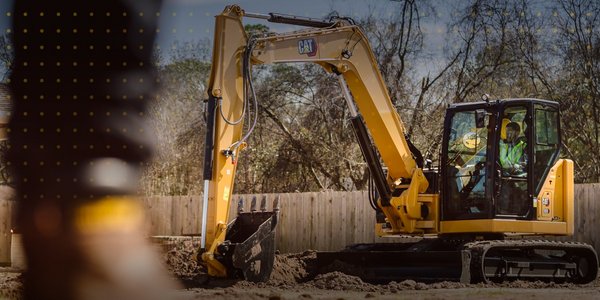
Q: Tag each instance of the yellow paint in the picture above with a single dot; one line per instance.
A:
(504, 226)
(555, 201)
(215, 268)
(226, 193)
(404, 211)
(225, 82)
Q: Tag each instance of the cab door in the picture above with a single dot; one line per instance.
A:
(467, 190)
(513, 189)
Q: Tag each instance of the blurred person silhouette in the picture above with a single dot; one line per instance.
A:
(81, 80)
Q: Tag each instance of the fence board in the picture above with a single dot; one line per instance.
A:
(6, 208)
(344, 217)
(350, 224)
(178, 215)
(282, 230)
(295, 227)
(328, 220)
(306, 221)
(590, 215)
(314, 224)
(320, 232)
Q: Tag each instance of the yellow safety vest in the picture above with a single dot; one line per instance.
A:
(511, 155)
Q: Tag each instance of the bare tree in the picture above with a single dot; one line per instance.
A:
(176, 118)
(303, 129)
(578, 38)
(484, 33)
(396, 39)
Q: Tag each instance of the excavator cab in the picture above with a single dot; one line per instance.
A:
(495, 157)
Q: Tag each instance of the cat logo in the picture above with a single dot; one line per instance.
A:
(308, 47)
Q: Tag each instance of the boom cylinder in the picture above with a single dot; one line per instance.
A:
(290, 19)
(364, 142)
(371, 158)
(209, 145)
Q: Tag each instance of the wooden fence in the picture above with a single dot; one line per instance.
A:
(319, 221)
(587, 214)
(332, 220)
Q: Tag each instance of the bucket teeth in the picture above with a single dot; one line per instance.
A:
(250, 252)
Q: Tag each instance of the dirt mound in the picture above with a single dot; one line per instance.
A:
(11, 285)
(447, 285)
(339, 281)
(180, 257)
(292, 268)
(343, 282)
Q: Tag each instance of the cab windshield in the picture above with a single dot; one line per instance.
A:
(466, 164)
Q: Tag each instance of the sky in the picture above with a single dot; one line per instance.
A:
(193, 19)
(183, 21)
(186, 20)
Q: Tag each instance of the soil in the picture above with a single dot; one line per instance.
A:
(293, 278)
(10, 283)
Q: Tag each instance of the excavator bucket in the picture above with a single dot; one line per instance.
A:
(249, 247)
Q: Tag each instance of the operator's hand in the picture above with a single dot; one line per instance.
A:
(517, 169)
(512, 169)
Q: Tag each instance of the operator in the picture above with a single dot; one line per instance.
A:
(513, 200)
(83, 75)
(512, 152)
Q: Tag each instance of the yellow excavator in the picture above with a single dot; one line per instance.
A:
(499, 176)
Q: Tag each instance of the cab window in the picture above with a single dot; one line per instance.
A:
(547, 142)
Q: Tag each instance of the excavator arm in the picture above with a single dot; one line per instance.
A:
(340, 48)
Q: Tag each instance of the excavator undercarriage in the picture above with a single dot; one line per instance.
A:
(485, 261)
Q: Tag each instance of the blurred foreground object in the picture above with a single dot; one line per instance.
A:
(81, 80)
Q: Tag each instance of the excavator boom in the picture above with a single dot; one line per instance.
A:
(340, 48)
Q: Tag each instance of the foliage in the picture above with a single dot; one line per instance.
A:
(303, 140)
(176, 116)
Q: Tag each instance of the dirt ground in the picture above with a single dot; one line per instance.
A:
(290, 280)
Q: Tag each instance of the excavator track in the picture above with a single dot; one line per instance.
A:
(500, 260)
(465, 261)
